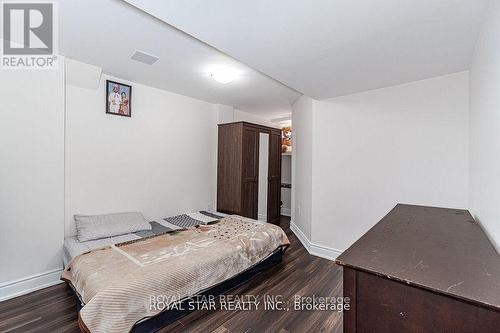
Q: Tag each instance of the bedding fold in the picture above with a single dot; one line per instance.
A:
(119, 284)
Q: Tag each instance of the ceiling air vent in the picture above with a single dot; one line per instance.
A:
(144, 57)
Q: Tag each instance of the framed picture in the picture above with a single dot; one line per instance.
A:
(118, 99)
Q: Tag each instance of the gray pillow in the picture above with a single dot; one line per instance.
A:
(89, 227)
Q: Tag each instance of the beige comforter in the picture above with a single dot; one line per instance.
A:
(119, 283)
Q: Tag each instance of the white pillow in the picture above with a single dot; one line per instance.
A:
(89, 227)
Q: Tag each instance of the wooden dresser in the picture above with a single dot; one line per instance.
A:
(422, 269)
(238, 170)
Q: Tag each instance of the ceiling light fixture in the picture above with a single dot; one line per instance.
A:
(223, 75)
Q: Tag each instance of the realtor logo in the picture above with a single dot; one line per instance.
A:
(28, 35)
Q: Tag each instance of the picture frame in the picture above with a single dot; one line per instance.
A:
(118, 99)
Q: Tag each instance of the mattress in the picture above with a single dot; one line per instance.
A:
(126, 283)
(72, 247)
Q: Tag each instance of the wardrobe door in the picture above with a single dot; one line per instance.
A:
(250, 172)
(274, 178)
(229, 169)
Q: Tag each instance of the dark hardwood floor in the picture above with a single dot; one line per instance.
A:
(53, 309)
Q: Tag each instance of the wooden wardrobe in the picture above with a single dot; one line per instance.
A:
(238, 170)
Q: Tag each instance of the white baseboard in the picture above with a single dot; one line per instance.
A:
(28, 284)
(314, 249)
(286, 211)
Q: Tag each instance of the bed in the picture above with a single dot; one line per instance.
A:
(118, 280)
(72, 247)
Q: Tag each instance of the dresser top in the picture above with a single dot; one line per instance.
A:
(440, 249)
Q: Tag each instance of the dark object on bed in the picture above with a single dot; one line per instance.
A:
(186, 221)
(167, 317)
(422, 269)
(238, 170)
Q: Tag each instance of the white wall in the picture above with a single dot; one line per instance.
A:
(228, 114)
(62, 155)
(252, 118)
(485, 127)
(161, 161)
(364, 153)
(302, 164)
(225, 113)
(32, 174)
(406, 144)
